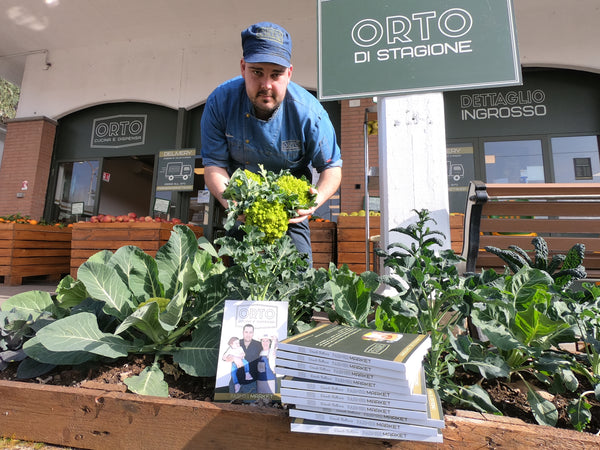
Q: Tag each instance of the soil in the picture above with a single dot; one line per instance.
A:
(510, 399)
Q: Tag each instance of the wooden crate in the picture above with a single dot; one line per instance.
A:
(33, 250)
(351, 241)
(323, 242)
(457, 231)
(89, 238)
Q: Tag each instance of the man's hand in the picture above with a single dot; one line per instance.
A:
(216, 179)
(304, 214)
(329, 182)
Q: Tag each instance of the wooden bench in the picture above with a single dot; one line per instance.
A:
(500, 215)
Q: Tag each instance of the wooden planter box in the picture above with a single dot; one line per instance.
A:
(89, 238)
(323, 242)
(351, 241)
(33, 250)
(103, 417)
(457, 223)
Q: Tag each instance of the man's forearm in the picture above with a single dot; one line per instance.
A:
(328, 184)
(216, 179)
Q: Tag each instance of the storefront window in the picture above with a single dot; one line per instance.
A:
(576, 159)
(514, 161)
(76, 183)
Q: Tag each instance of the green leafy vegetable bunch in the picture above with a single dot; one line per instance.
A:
(267, 200)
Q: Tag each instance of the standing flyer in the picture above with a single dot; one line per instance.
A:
(250, 336)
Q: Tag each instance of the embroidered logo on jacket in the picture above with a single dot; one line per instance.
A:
(290, 146)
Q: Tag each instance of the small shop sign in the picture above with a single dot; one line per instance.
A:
(161, 205)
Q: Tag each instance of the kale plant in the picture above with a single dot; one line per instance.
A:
(523, 321)
(564, 269)
(520, 319)
(271, 271)
(430, 297)
(527, 321)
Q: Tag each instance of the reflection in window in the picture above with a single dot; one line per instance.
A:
(575, 158)
(514, 162)
(583, 168)
(76, 183)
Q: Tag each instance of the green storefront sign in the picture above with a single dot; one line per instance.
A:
(387, 47)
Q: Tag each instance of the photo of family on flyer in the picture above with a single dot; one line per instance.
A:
(252, 362)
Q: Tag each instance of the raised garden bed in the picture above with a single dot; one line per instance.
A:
(89, 238)
(28, 250)
(351, 241)
(103, 417)
(323, 239)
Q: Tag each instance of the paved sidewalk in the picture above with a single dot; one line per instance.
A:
(9, 291)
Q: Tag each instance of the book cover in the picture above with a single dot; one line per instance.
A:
(418, 394)
(250, 334)
(432, 417)
(314, 426)
(399, 352)
(341, 371)
(335, 379)
(354, 421)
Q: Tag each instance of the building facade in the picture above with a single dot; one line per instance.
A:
(102, 117)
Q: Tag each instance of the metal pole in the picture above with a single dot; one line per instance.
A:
(366, 207)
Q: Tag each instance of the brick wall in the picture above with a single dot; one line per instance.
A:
(353, 153)
(27, 157)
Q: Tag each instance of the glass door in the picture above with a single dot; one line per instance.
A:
(76, 183)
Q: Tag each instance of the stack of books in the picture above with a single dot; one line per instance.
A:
(358, 382)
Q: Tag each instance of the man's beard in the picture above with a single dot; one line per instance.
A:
(263, 109)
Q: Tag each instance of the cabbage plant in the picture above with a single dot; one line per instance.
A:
(128, 302)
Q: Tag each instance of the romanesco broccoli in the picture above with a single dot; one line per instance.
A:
(296, 186)
(270, 217)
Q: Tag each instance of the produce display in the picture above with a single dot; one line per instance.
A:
(372, 127)
(100, 218)
(267, 200)
(318, 219)
(18, 218)
(129, 217)
(360, 213)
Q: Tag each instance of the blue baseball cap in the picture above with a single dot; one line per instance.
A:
(266, 42)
